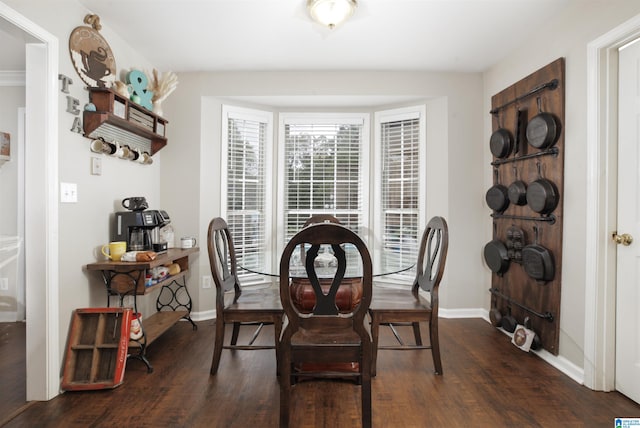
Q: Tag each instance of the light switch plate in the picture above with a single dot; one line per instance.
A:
(68, 192)
(96, 166)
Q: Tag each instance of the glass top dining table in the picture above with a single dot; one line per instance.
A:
(353, 271)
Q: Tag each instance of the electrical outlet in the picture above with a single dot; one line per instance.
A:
(4, 284)
(207, 281)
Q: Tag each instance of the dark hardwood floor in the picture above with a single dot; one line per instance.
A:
(487, 382)
(13, 368)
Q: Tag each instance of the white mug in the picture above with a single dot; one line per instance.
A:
(187, 242)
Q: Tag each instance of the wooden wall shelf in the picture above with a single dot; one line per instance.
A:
(118, 119)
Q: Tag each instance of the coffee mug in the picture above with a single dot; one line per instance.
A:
(135, 203)
(187, 242)
(116, 250)
(101, 146)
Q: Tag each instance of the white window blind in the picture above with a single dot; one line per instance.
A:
(400, 187)
(246, 207)
(324, 167)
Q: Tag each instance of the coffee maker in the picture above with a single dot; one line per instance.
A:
(140, 228)
(135, 228)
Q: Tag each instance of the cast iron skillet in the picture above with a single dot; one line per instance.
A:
(495, 254)
(538, 260)
(497, 196)
(501, 142)
(509, 323)
(542, 195)
(543, 129)
(517, 190)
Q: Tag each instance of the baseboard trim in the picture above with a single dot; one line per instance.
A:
(203, 316)
(559, 362)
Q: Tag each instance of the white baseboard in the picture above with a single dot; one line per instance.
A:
(463, 313)
(8, 316)
(203, 316)
(559, 362)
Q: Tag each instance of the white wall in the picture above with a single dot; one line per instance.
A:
(454, 140)
(85, 226)
(564, 35)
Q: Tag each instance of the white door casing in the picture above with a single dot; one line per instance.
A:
(601, 206)
(627, 373)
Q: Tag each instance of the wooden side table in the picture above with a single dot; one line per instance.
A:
(174, 303)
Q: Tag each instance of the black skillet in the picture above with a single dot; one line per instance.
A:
(501, 142)
(538, 260)
(542, 195)
(543, 129)
(517, 190)
(496, 256)
(497, 196)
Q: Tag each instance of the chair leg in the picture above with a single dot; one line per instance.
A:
(285, 393)
(366, 403)
(365, 376)
(217, 346)
(235, 333)
(416, 333)
(375, 330)
(435, 345)
(277, 328)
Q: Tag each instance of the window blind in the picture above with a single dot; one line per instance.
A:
(400, 140)
(323, 162)
(246, 204)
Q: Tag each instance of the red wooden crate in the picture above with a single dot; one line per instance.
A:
(96, 349)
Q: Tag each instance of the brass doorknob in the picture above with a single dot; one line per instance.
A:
(624, 239)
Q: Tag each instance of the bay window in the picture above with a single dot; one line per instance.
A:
(326, 163)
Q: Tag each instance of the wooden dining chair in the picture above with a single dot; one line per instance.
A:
(233, 304)
(406, 306)
(321, 218)
(314, 342)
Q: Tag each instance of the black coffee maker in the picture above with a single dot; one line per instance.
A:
(138, 226)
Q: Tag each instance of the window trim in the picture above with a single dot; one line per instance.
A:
(322, 117)
(380, 117)
(229, 112)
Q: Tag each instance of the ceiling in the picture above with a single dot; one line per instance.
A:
(437, 35)
(275, 35)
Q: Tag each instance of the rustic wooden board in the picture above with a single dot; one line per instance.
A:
(157, 324)
(515, 283)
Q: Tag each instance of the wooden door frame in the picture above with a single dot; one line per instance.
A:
(601, 180)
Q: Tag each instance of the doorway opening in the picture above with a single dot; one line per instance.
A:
(41, 209)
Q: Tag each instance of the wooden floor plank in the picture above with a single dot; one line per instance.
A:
(13, 368)
(487, 382)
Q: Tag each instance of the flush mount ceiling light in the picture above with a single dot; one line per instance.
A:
(331, 13)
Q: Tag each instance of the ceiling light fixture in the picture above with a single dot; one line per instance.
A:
(331, 13)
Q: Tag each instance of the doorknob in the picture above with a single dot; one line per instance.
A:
(624, 239)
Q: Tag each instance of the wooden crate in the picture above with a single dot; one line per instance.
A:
(96, 352)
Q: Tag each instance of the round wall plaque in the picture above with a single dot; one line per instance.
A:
(91, 55)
